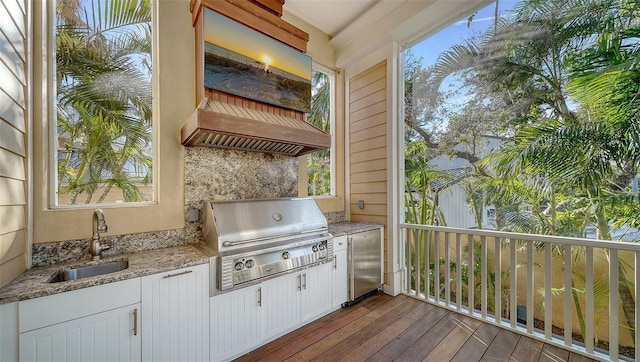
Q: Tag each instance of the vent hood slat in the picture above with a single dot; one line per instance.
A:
(224, 125)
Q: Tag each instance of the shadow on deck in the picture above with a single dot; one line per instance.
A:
(385, 328)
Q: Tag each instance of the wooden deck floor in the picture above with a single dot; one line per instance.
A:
(385, 328)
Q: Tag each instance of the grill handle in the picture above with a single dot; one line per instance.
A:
(260, 297)
(240, 242)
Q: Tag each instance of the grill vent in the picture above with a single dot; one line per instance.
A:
(223, 125)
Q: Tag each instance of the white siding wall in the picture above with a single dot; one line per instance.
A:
(13, 138)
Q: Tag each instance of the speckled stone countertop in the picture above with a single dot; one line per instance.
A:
(347, 227)
(33, 283)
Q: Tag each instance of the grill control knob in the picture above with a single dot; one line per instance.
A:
(285, 255)
(239, 265)
(322, 246)
(249, 263)
(314, 248)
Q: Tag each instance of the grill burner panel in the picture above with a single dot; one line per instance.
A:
(252, 267)
(254, 240)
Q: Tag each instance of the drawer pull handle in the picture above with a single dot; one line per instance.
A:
(135, 322)
(178, 274)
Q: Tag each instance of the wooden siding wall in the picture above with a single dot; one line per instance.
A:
(13, 138)
(368, 146)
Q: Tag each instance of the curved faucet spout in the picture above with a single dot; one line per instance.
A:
(99, 226)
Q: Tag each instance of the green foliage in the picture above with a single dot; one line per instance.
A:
(319, 163)
(559, 82)
(104, 97)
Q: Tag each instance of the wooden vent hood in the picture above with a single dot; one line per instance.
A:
(224, 125)
(223, 120)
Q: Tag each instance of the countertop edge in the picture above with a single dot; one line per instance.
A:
(33, 283)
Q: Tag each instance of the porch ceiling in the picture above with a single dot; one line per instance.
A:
(330, 16)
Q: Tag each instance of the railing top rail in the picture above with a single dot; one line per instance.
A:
(607, 244)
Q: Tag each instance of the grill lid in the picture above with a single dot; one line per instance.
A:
(230, 223)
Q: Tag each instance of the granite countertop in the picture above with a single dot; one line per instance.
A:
(33, 283)
(347, 227)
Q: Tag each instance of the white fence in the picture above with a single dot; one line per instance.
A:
(523, 278)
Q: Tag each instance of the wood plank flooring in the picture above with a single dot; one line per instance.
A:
(385, 328)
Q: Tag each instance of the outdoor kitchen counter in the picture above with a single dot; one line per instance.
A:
(33, 283)
(345, 228)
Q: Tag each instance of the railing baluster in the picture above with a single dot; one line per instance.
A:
(407, 253)
(513, 292)
(458, 272)
(530, 287)
(483, 276)
(427, 247)
(470, 287)
(589, 299)
(567, 296)
(613, 304)
(498, 283)
(548, 294)
(416, 267)
(447, 270)
(436, 267)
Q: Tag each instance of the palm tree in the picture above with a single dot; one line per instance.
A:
(567, 71)
(103, 70)
(319, 162)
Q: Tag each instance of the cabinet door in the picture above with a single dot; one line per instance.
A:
(316, 291)
(109, 336)
(339, 278)
(175, 314)
(236, 322)
(281, 303)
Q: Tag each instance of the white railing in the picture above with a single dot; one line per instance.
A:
(523, 277)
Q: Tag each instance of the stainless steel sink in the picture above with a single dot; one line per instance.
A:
(64, 275)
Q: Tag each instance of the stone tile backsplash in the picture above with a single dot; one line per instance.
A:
(210, 174)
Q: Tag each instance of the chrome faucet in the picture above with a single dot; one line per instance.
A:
(99, 226)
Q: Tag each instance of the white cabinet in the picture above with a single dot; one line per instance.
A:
(236, 322)
(107, 336)
(316, 292)
(339, 278)
(175, 315)
(91, 324)
(281, 303)
(296, 298)
(9, 331)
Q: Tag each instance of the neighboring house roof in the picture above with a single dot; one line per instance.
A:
(456, 175)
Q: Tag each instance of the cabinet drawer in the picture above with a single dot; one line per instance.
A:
(53, 309)
(339, 243)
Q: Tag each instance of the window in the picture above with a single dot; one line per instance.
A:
(103, 135)
(321, 164)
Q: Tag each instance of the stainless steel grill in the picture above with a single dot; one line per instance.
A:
(253, 240)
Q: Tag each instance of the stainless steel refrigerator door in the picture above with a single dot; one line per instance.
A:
(365, 259)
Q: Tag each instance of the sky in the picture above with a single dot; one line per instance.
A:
(430, 48)
(238, 38)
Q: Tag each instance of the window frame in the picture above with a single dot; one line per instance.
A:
(166, 212)
(53, 197)
(335, 201)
